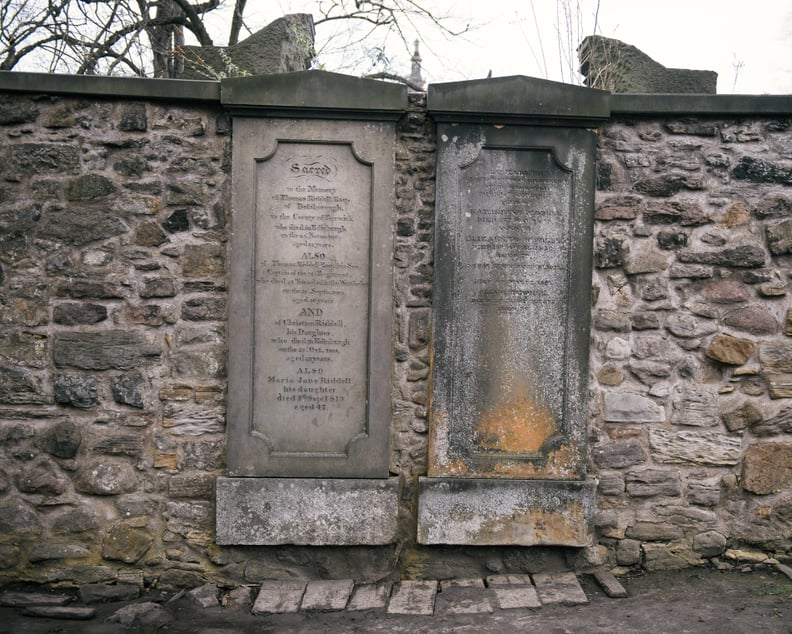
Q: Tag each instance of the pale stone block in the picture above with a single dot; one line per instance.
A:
(327, 596)
(306, 511)
(413, 597)
(370, 596)
(559, 588)
(279, 597)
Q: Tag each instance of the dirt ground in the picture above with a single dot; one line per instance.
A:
(691, 600)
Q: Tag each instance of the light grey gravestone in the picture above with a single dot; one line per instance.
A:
(511, 311)
(310, 311)
(310, 306)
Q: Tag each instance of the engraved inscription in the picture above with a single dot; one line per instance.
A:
(311, 296)
(510, 283)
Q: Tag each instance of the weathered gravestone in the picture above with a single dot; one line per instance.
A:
(512, 300)
(310, 311)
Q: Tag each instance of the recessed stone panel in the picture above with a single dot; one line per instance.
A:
(310, 313)
(511, 301)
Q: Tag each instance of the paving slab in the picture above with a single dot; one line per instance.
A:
(463, 600)
(516, 596)
(279, 597)
(477, 582)
(413, 597)
(560, 588)
(369, 596)
(327, 596)
(509, 580)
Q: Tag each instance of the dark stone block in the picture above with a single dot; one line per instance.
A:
(18, 519)
(75, 390)
(203, 261)
(683, 212)
(177, 221)
(119, 349)
(120, 445)
(668, 184)
(127, 390)
(132, 167)
(89, 187)
(779, 237)
(20, 387)
(150, 234)
(71, 314)
(610, 253)
(13, 111)
(158, 287)
(80, 289)
(133, 118)
(742, 256)
(103, 593)
(672, 239)
(62, 440)
(38, 158)
(618, 455)
(760, 171)
(204, 309)
(81, 227)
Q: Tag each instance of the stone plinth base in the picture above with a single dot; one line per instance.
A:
(489, 512)
(313, 512)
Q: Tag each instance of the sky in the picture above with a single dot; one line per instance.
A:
(749, 44)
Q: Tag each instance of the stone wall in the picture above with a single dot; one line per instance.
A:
(691, 351)
(113, 226)
(112, 337)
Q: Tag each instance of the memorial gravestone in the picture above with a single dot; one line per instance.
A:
(507, 455)
(310, 311)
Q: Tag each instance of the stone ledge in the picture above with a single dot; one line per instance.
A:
(99, 86)
(489, 512)
(302, 511)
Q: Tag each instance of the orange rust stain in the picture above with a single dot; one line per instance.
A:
(520, 426)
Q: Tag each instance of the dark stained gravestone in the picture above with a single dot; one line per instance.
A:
(512, 303)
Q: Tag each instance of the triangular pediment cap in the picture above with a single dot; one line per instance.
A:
(518, 98)
(314, 93)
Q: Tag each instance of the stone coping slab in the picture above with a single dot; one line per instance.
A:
(98, 86)
(315, 93)
(306, 511)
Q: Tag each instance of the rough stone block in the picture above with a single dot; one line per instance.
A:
(730, 350)
(109, 349)
(704, 448)
(626, 407)
(767, 468)
(650, 482)
(524, 512)
(306, 511)
(618, 455)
